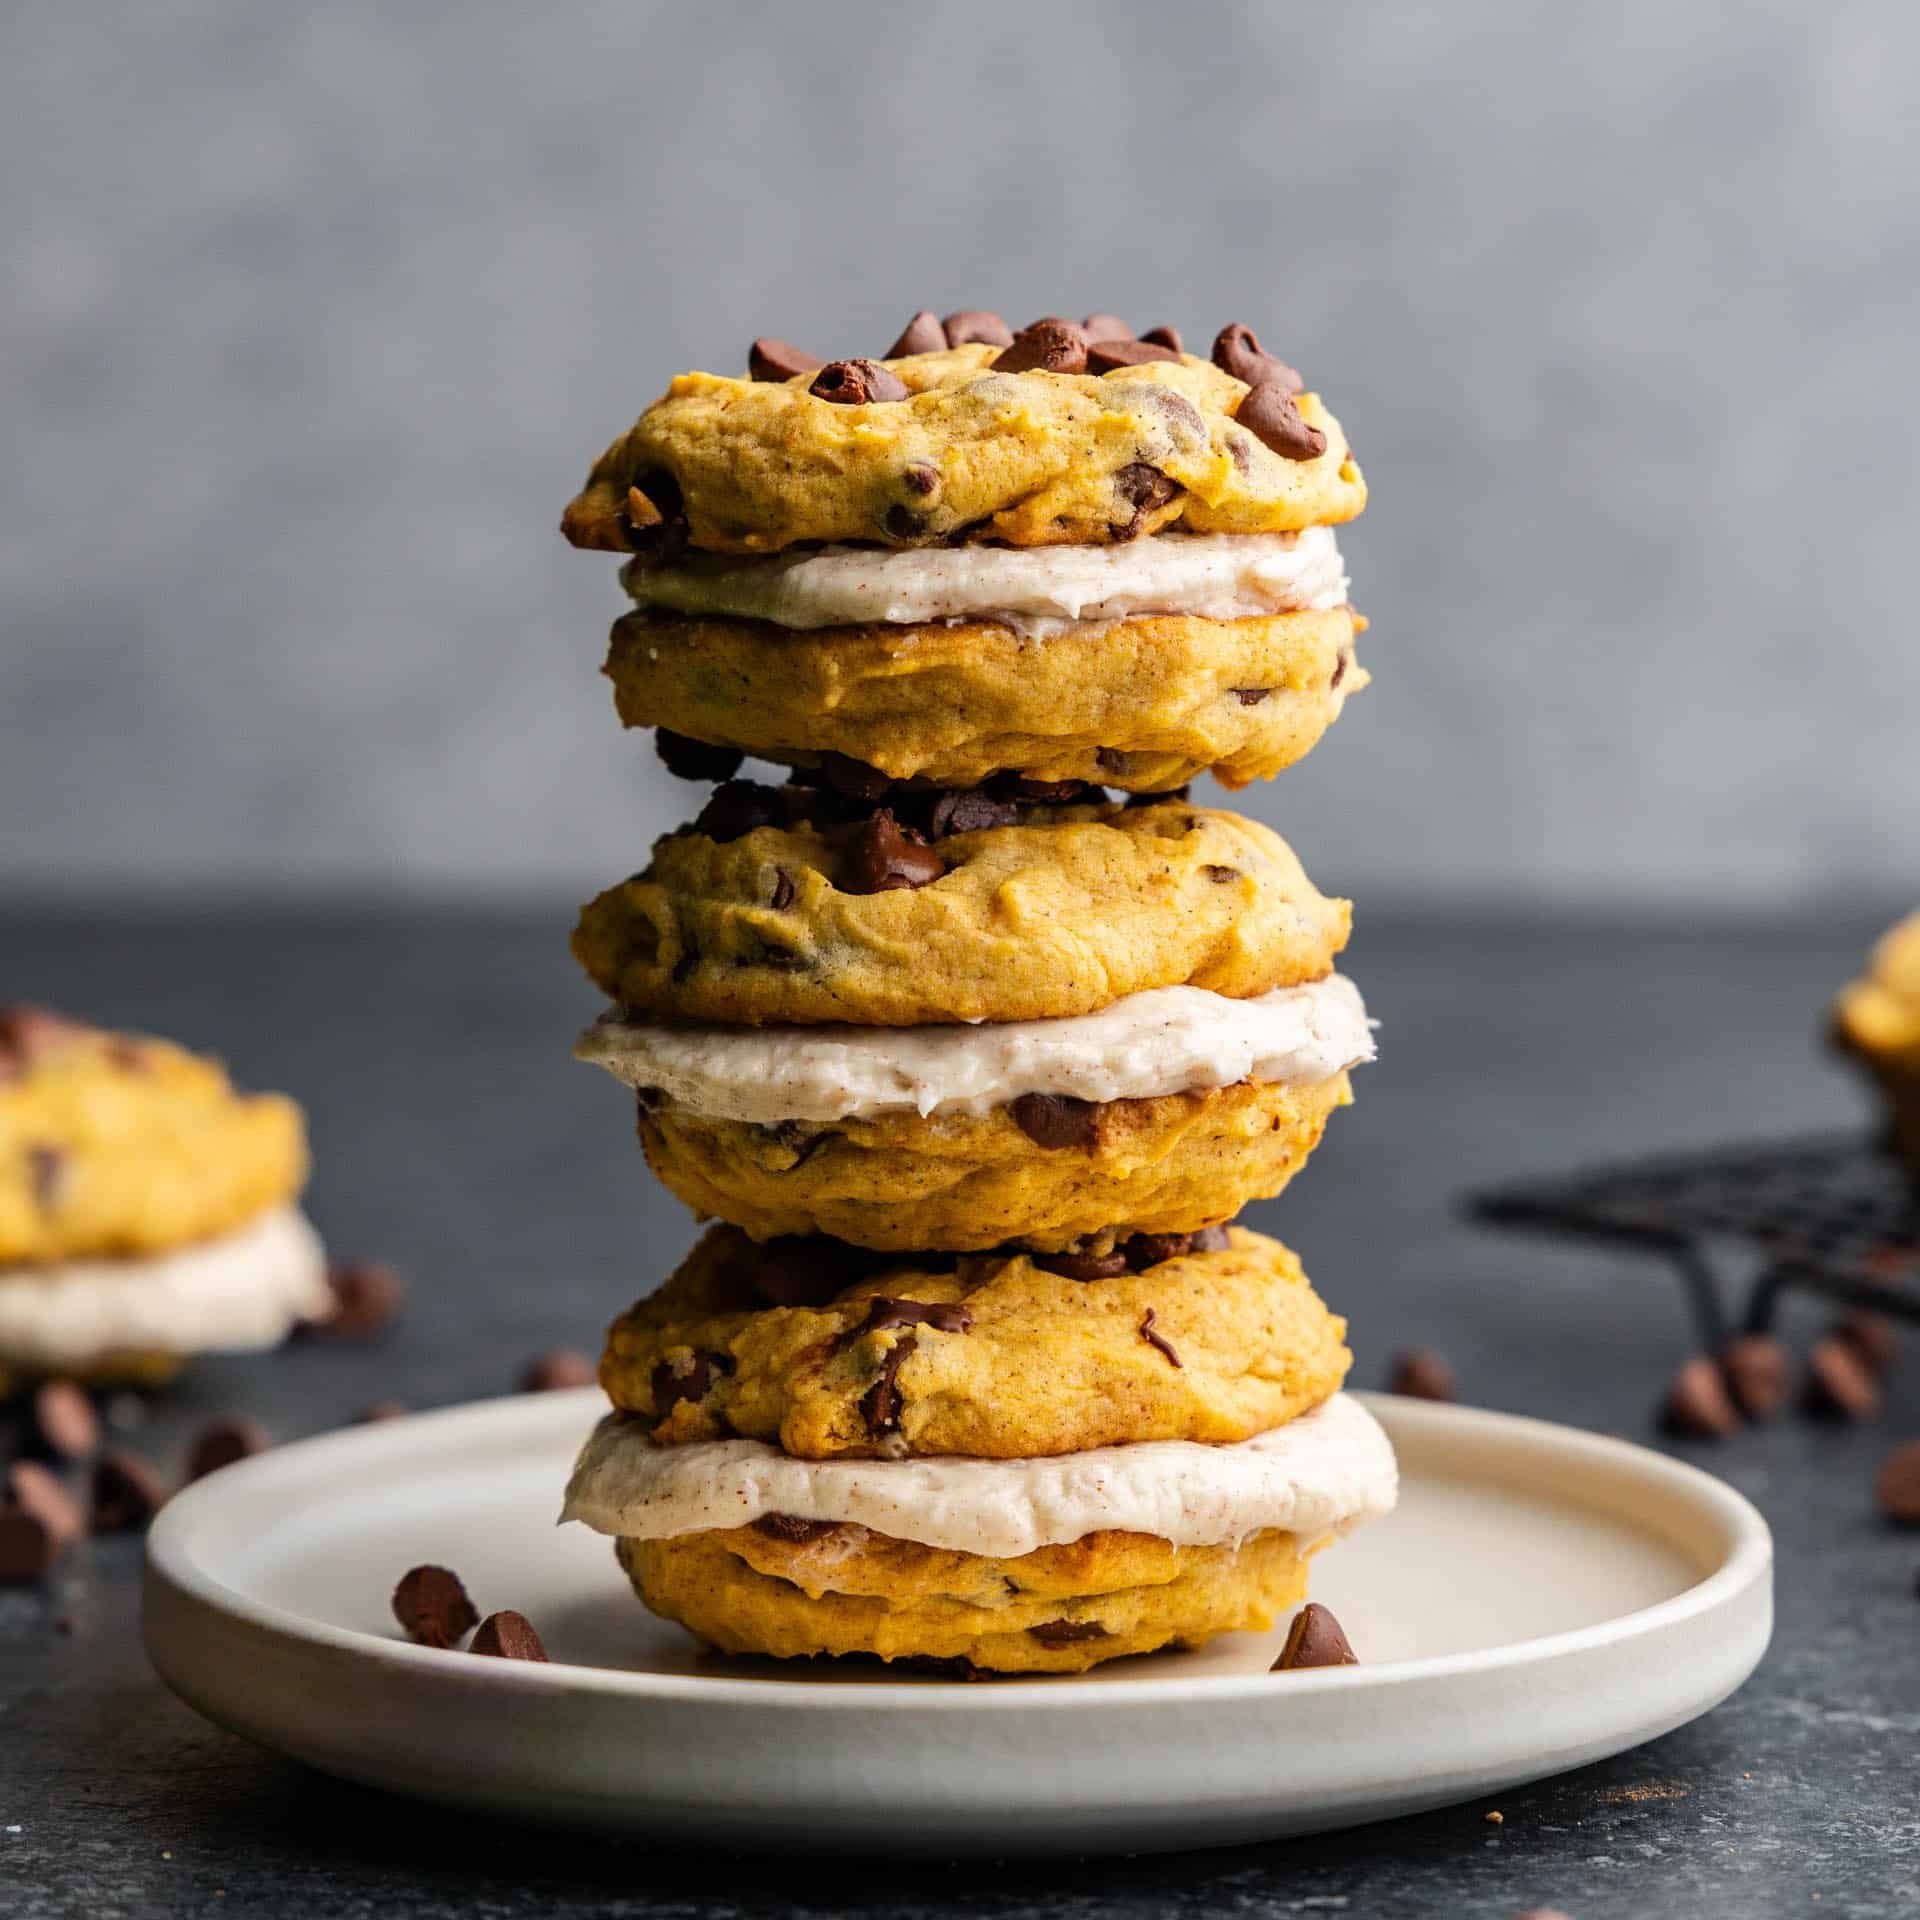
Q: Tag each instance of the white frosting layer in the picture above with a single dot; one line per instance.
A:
(1038, 591)
(244, 1290)
(1319, 1474)
(1168, 1040)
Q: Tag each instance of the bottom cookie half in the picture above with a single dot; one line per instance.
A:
(793, 1589)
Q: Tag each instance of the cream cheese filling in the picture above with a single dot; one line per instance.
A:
(1319, 1474)
(1038, 591)
(1166, 1040)
(246, 1289)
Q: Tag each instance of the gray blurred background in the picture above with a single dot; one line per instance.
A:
(314, 318)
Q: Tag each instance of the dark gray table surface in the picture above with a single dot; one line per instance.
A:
(456, 1138)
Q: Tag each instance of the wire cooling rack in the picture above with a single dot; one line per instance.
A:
(1834, 1215)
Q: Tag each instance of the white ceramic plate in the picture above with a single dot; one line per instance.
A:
(1540, 1598)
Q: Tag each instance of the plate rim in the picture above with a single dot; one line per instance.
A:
(1748, 1556)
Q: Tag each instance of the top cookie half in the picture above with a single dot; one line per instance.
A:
(967, 451)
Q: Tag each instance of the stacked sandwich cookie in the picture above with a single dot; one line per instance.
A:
(148, 1211)
(977, 1032)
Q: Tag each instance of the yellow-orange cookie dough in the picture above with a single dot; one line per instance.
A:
(961, 1182)
(844, 1590)
(1031, 459)
(1008, 1361)
(1877, 1021)
(1146, 704)
(1060, 914)
(112, 1144)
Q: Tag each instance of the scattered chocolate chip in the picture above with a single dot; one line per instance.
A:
(367, 1294)
(127, 1492)
(921, 478)
(1873, 1336)
(737, 808)
(1421, 1374)
(379, 1411)
(1759, 1375)
(1105, 326)
(1236, 350)
(1698, 1404)
(553, 1372)
(968, 810)
(222, 1442)
(880, 1405)
(1271, 414)
(791, 1528)
(1250, 696)
(1084, 1266)
(432, 1606)
(695, 759)
(857, 383)
(1047, 346)
(854, 778)
(885, 856)
(884, 1313)
(973, 326)
(1055, 1119)
(1220, 876)
(1839, 1384)
(1158, 1341)
(38, 1490)
(1103, 356)
(64, 1422)
(1315, 1640)
(46, 1173)
(782, 897)
(779, 360)
(1898, 1486)
(507, 1636)
(1164, 337)
(922, 334)
(28, 1549)
(1066, 1633)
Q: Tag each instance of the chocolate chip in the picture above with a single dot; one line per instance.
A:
(127, 1492)
(1236, 350)
(800, 1270)
(1873, 1336)
(782, 897)
(1158, 1341)
(1048, 793)
(221, 1443)
(1103, 356)
(880, 1405)
(800, 1139)
(46, 1173)
(976, 326)
(1164, 337)
(1839, 1384)
(1221, 876)
(1898, 1485)
(432, 1606)
(921, 478)
(1047, 346)
(885, 856)
(1055, 1119)
(683, 967)
(29, 1035)
(968, 810)
(1315, 1640)
(1759, 1375)
(1250, 696)
(884, 1313)
(903, 523)
(1181, 414)
(1154, 799)
(922, 334)
(1066, 1633)
(1105, 326)
(1141, 490)
(1144, 1250)
(507, 1636)
(1084, 1266)
(778, 360)
(1272, 416)
(28, 1549)
(367, 1294)
(1698, 1404)
(553, 1372)
(854, 778)
(695, 759)
(689, 1378)
(1340, 667)
(38, 1490)
(1421, 1374)
(857, 383)
(737, 809)
(791, 1528)
(64, 1422)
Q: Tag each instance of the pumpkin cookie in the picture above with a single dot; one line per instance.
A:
(1212, 1338)
(1877, 1021)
